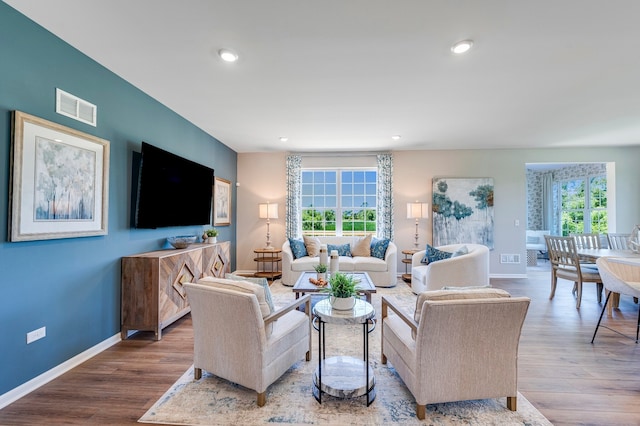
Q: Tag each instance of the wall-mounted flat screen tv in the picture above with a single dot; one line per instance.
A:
(172, 191)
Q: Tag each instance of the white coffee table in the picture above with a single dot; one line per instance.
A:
(344, 376)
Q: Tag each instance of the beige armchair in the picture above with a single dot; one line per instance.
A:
(465, 345)
(237, 340)
(471, 269)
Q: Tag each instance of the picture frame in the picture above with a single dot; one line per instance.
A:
(59, 181)
(463, 211)
(222, 202)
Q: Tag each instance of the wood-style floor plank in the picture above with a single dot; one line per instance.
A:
(571, 381)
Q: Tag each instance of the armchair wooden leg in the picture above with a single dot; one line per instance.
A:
(307, 357)
(512, 403)
(421, 411)
(197, 373)
(384, 359)
(262, 398)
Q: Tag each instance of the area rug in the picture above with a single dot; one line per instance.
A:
(214, 401)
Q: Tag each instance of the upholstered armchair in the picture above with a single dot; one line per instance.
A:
(459, 345)
(471, 269)
(238, 338)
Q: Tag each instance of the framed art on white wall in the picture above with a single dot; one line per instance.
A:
(59, 181)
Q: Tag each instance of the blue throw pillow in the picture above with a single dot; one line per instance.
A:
(343, 250)
(297, 248)
(379, 247)
(432, 254)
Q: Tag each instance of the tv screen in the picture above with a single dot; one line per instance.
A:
(172, 191)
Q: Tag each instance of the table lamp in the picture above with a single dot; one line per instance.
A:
(417, 211)
(268, 211)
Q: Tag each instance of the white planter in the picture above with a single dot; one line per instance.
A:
(342, 303)
(212, 240)
(322, 276)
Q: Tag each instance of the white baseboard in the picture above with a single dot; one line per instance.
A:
(44, 378)
(508, 276)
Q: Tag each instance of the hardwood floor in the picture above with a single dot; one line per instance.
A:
(571, 381)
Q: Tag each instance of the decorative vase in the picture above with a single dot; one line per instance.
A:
(342, 303)
(334, 262)
(212, 240)
(322, 276)
(324, 256)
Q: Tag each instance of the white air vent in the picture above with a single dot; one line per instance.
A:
(74, 107)
(509, 258)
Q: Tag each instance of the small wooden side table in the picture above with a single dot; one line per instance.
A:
(270, 257)
(408, 254)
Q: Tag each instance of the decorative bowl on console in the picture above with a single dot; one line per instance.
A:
(182, 241)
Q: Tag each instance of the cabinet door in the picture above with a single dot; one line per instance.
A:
(215, 260)
(174, 272)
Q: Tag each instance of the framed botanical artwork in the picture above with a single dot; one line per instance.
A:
(462, 211)
(221, 202)
(59, 181)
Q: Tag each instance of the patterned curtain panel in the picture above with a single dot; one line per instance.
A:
(294, 202)
(384, 214)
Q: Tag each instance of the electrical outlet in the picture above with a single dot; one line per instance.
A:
(509, 258)
(38, 334)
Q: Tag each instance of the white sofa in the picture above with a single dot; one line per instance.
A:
(383, 273)
(471, 269)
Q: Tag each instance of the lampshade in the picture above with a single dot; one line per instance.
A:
(268, 210)
(417, 210)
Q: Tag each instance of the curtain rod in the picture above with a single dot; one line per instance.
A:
(340, 154)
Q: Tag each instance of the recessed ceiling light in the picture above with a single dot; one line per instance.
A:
(284, 139)
(396, 137)
(462, 46)
(228, 55)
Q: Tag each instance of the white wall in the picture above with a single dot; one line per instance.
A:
(262, 178)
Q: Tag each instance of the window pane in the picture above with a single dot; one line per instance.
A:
(371, 177)
(307, 177)
(371, 189)
(331, 201)
(330, 177)
(347, 189)
(358, 177)
(307, 189)
(307, 201)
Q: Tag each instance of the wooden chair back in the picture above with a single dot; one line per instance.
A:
(618, 241)
(562, 252)
(587, 241)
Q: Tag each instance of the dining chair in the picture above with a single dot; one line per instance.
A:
(565, 264)
(618, 278)
(587, 241)
(618, 241)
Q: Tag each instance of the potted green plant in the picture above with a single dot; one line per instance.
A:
(210, 236)
(342, 291)
(321, 269)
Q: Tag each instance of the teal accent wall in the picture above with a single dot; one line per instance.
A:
(72, 286)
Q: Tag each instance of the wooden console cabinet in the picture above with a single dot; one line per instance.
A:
(152, 293)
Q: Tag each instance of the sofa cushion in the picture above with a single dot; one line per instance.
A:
(369, 264)
(457, 294)
(362, 247)
(342, 249)
(532, 239)
(312, 244)
(305, 263)
(432, 254)
(259, 281)
(379, 247)
(298, 249)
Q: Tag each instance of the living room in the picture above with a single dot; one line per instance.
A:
(72, 286)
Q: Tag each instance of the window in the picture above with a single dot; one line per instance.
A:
(339, 202)
(583, 204)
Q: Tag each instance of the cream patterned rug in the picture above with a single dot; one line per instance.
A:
(213, 401)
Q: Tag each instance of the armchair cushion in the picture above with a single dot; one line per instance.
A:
(259, 281)
(432, 254)
(379, 247)
(439, 295)
(243, 287)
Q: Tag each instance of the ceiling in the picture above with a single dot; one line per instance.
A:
(336, 75)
